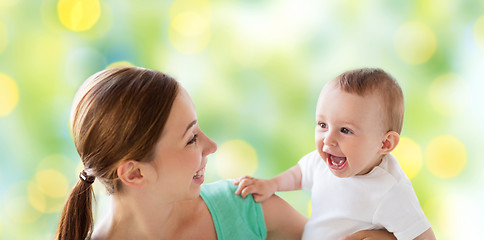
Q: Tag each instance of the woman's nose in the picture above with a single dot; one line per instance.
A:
(210, 146)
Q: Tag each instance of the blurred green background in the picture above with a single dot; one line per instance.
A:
(254, 70)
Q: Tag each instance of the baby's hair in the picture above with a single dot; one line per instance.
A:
(366, 81)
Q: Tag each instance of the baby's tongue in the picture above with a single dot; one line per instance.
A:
(337, 160)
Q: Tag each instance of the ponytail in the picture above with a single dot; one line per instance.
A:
(76, 220)
(118, 113)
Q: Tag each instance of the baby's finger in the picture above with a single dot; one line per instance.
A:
(246, 191)
(237, 181)
(239, 189)
(246, 182)
(242, 186)
(258, 197)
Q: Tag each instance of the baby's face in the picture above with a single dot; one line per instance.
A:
(349, 131)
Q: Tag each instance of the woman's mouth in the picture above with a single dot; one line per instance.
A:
(198, 174)
(336, 163)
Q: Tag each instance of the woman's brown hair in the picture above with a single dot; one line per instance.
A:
(118, 114)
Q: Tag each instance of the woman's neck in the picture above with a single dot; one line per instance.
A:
(139, 219)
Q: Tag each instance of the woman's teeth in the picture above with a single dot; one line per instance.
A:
(199, 173)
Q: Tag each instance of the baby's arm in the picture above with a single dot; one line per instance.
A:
(262, 189)
(427, 235)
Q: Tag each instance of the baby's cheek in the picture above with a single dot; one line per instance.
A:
(319, 145)
(318, 137)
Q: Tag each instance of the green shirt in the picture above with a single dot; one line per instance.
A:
(233, 216)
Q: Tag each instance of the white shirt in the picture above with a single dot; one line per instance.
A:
(383, 198)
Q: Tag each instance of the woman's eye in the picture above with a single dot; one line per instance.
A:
(322, 125)
(193, 140)
(346, 131)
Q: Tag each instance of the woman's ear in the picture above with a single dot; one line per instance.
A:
(131, 174)
(389, 142)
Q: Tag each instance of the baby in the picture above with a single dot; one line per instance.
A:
(355, 182)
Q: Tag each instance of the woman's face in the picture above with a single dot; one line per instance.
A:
(180, 155)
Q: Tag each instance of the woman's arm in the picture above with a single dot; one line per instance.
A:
(371, 235)
(282, 220)
(427, 235)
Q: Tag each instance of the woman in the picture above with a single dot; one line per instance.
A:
(136, 131)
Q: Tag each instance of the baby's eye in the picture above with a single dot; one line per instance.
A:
(346, 131)
(193, 140)
(322, 125)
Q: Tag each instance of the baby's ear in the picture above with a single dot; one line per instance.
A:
(130, 173)
(389, 142)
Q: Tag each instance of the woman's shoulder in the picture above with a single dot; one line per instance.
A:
(220, 187)
(234, 217)
(220, 196)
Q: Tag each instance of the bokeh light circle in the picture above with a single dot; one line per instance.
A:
(415, 43)
(446, 156)
(3, 36)
(49, 187)
(41, 201)
(8, 94)
(52, 183)
(183, 6)
(8, 3)
(120, 64)
(183, 34)
(190, 24)
(449, 94)
(478, 31)
(189, 30)
(57, 162)
(17, 205)
(235, 158)
(409, 155)
(79, 15)
(36, 197)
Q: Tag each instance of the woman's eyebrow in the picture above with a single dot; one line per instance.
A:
(190, 125)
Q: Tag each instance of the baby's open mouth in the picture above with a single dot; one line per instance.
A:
(335, 162)
(199, 173)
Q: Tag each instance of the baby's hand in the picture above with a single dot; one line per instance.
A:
(261, 189)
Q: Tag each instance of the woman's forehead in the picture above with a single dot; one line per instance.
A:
(182, 115)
